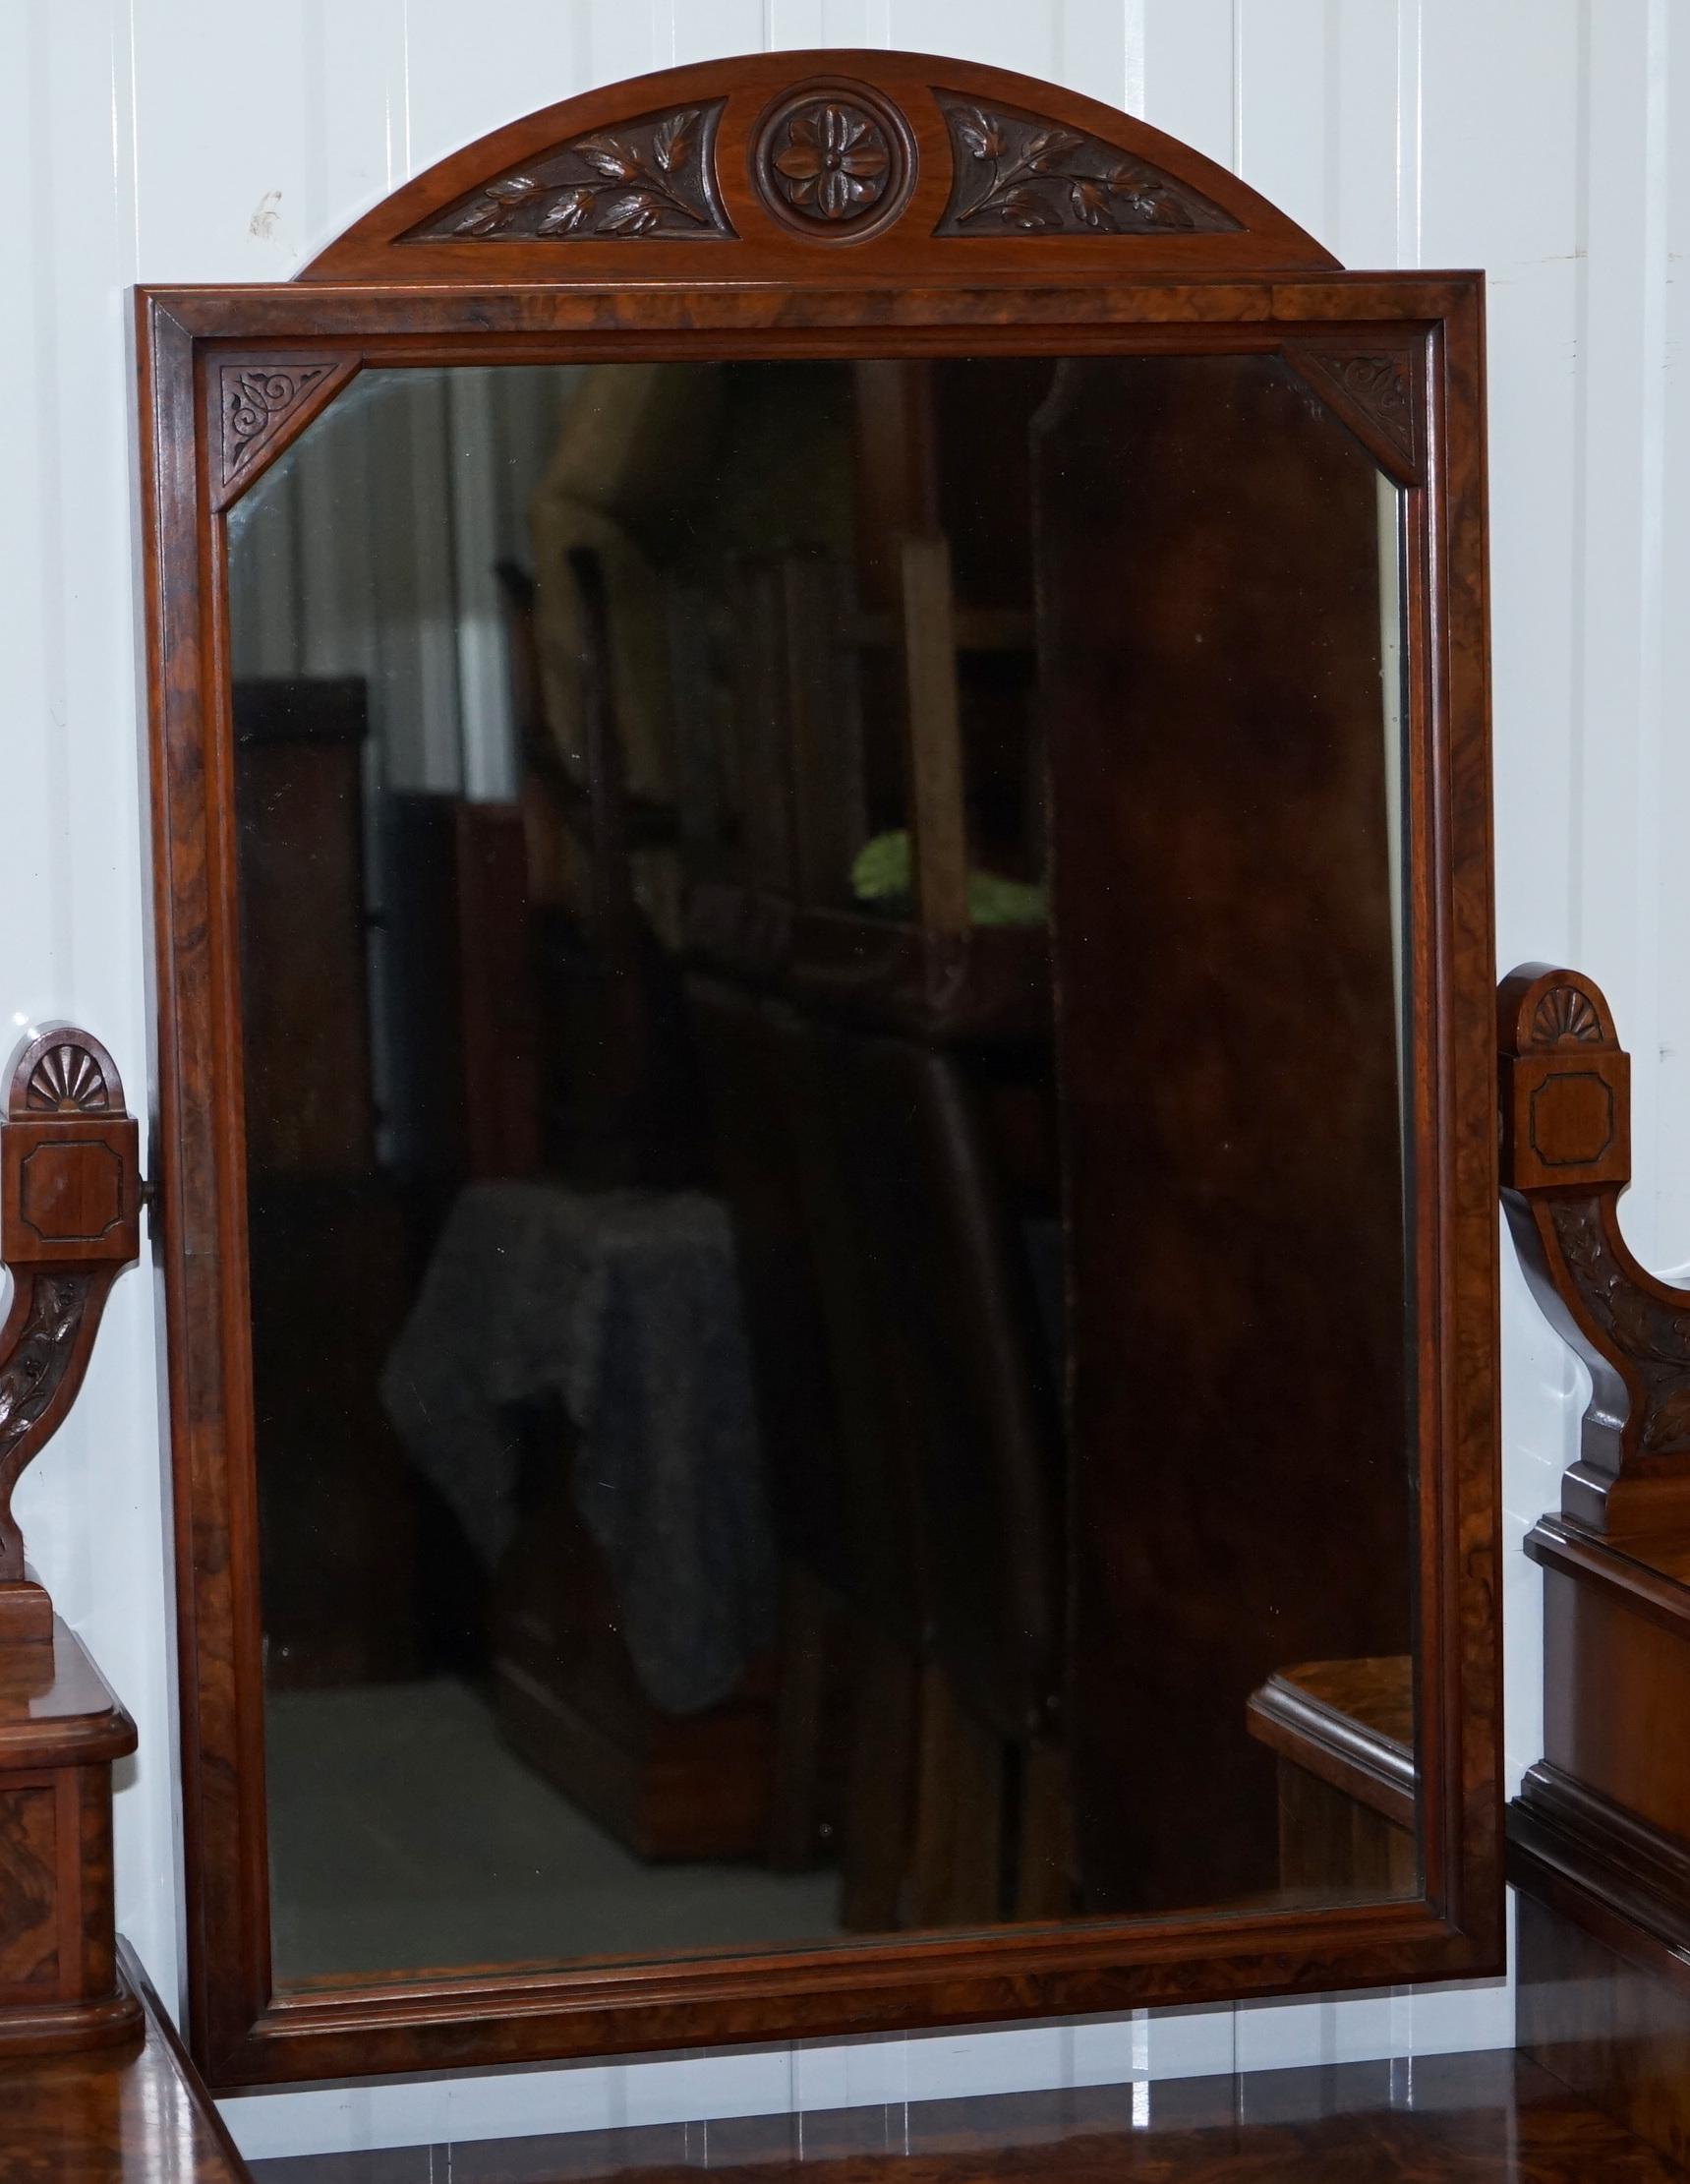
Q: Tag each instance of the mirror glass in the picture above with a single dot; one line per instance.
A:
(824, 991)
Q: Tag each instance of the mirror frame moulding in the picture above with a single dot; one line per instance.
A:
(519, 250)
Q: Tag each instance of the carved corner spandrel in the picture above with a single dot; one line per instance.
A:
(70, 1223)
(1566, 1090)
(1375, 392)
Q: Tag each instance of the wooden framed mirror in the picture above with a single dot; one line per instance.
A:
(821, 792)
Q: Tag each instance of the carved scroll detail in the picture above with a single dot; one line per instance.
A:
(257, 401)
(1643, 1325)
(33, 1374)
(1018, 173)
(1375, 387)
(652, 176)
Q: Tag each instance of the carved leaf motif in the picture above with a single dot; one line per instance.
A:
(636, 212)
(1650, 1336)
(651, 176)
(1046, 151)
(1018, 171)
(1645, 1329)
(672, 142)
(616, 162)
(39, 1362)
(979, 134)
(566, 212)
(1090, 202)
(500, 202)
(1666, 1421)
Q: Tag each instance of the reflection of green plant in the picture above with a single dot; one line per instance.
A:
(884, 873)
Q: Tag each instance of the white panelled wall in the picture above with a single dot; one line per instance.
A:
(183, 141)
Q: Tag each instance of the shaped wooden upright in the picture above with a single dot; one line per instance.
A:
(1600, 1834)
(68, 1224)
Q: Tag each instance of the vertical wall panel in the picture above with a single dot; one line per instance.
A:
(1670, 1154)
(357, 119)
(1286, 129)
(1006, 33)
(1188, 71)
(224, 131)
(463, 81)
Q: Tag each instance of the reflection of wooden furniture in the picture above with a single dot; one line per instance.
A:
(462, 1093)
(324, 1240)
(1343, 1733)
(1600, 1834)
(299, 803)
(1228, 1051)
(667, 1785)
(910, 1426)
(343, 1589)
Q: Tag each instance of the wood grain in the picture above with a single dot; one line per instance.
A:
(901, 293)
(116, 2117)
(60, 1730)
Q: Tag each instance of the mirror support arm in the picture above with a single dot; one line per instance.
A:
(70, 1223)
(1566, 1157)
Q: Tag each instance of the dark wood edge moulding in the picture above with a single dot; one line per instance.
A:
(1193, 262)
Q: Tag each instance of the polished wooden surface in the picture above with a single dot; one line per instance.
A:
(60, 1730)
(901, 292)
(447, 226)
(134, 2115)
(1611, 2027)
(55, 1705)
(1489, 2118)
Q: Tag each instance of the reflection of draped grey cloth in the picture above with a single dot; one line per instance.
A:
(624, 1304)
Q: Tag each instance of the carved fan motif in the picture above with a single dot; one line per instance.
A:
(1566, 1015)
(1016, 171)
(67, 1077)
(652, 176)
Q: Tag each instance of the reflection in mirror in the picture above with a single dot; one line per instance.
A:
(824, 1008)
